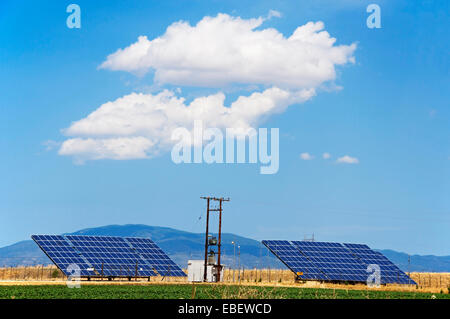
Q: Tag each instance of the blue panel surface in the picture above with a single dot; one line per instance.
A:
(294, 259)
(108, 256)
(334, 260)
(111, 256)
(155, 257)
(62, 254)
(389, 273)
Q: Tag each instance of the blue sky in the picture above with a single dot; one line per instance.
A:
(392, 113)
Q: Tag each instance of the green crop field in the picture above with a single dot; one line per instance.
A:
(198, 292)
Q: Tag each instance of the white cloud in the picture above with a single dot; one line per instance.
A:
(217, 51)
(347, 160)
(274, 13)
(120, 148)
(140, 125)
(326, 155)
(222, 50)
(50, 145)
(306, 156)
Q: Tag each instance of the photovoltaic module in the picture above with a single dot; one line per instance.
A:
(326, 261)
(107, 256)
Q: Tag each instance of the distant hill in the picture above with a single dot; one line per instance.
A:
(179, 245)
(182, 246)
(427, 263)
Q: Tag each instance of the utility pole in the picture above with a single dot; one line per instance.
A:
(206, 238)
(234, 254)
(409, 270)
(234, 257)
(239, 261)
(239, 255)
(208, 210)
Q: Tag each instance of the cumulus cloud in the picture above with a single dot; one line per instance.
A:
(222, 50)
(347, 160)
(140, 125)
(306, 156)
(216, 52)
(119, 148)
(326, 155)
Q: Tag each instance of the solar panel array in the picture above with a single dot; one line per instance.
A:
(334, 261)
(390, 272)
(155, 257)
(108, 256)
(62, 253)
(111, 256)
(295, 260)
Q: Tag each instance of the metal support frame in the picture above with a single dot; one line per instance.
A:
(208, 210)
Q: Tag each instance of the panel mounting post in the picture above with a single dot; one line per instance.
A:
(208, 210)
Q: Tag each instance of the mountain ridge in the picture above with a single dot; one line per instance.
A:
(182, 245)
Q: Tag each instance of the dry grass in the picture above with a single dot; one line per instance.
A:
(52, 273)
(21, 273)
(259, 276)
(427, 282)
(432, 280)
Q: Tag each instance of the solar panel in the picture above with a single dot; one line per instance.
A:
(108, 256)
(389, 273)
(111, 256)
(62, 254)
(155, 257)
(294, 259)
(334, 261)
